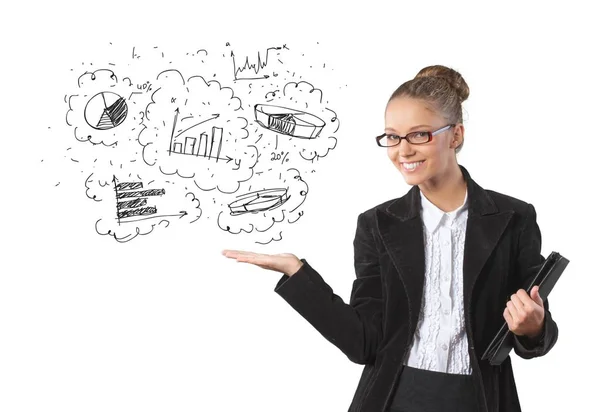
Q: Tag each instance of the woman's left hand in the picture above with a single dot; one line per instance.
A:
(524, 314)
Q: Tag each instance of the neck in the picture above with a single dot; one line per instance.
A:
(447, 191)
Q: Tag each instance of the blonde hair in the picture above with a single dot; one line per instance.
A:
(440, 86)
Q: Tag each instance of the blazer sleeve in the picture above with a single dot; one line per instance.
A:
(355, 328)
(529, 261)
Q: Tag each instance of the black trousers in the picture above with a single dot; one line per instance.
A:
(421, 390)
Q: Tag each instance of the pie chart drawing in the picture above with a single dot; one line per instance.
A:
(105, 110)
(288, 121)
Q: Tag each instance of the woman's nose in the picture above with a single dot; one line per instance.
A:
(404, 148)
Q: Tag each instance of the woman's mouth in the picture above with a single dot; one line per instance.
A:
(412, 166)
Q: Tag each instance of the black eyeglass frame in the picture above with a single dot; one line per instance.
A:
(430, 136)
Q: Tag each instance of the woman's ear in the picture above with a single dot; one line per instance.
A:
(458, 136)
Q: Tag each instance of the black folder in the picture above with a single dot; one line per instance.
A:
(546, 278)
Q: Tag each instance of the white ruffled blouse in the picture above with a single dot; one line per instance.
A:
(440, 340)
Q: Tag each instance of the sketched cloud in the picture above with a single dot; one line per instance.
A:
(101, 110)
(130, 205)
(268, 202)
(195, 129)
(299, 117)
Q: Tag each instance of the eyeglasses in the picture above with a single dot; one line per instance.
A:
(387, 140)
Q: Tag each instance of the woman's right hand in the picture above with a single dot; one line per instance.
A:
(286, 263)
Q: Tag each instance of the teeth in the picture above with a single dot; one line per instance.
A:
(411, 166)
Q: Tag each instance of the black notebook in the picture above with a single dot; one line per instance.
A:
(546, 278)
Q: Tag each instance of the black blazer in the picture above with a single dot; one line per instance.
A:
(502, 253)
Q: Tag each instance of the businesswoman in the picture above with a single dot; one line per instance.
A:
(438, 271)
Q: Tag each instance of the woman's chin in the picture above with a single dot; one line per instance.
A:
(412, 177)
(412, 180)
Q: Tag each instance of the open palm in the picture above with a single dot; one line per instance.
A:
(281, 262)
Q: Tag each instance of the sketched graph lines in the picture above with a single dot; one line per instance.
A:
(151, 138)
(194, 129)
(198, 145)
(256, 71)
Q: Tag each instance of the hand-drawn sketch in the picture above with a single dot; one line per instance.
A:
(243, 143)
(132, 202)
(105, 111)
(280, 113)
(259, 201)
(97, 112)
(178, 120)
(262, 210)
(288, 121)
(257, 67)
(131, 206)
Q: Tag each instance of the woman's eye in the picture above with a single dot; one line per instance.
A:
(392, 136)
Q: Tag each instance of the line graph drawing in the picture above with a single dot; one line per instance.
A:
(257, 67)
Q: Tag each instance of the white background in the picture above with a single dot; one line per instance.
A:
(164, 322)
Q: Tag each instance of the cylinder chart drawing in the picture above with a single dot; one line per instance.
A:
(288, 121)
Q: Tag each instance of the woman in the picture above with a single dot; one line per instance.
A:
(438, 271)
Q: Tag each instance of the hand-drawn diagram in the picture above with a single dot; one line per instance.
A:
(131, 206)
(105, 111)
(247, 144)
(259, 201)
(256, 68)
(288, 121)
(132, 201)
(97, 111)
(261, 210)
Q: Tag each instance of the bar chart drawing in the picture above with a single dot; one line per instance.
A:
(201, 146)
(198, 146)
(133, 202)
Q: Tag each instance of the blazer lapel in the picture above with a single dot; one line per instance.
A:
(401, 229)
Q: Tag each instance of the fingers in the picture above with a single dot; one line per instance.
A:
(511, 312)
(520, 299)
(536, 297)
(508, 319)
(519, 309)
(281, 262)
(514, 309)
(234, 254)
(258, 259)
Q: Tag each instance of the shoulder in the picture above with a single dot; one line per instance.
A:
(507, 202)
(521, 208)
(370, 213)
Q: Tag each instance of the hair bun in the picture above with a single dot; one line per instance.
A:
(453, 77)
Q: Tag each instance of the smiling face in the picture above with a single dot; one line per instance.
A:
(437, 158)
